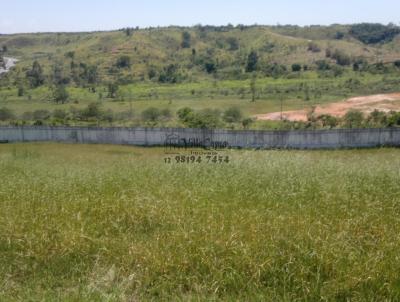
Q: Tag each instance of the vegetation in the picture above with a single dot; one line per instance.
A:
(109, 223)
(201, 67)
(374, 33)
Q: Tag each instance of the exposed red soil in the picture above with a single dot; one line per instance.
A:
(365, 104)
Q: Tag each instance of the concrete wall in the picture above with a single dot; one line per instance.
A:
(320, 139)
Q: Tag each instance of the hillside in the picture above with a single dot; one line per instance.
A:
(201, 67)
(224, 49)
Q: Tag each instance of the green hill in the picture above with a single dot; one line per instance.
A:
(151, 51)
(200, 67)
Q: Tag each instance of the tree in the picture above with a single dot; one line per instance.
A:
(151, 114)
(35, 75)
(372, 33)
(341, 58)
(93, 110)
(123, 62)
(232, 115)
(4, 48)
(6, 114)
(233, 43)
(296, 67)
(339, 35)
(353, 119)
(112, 90)
(21, 90)
(186, 40)
(397, 63)
(210, 67)
(70, 55)
(247, 122)
(184, 114)
(252, 61)
(253, 87)
(41, 114)
(59, 114)
(313, 47)
(60, 94)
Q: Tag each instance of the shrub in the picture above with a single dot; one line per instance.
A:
(296, 67)
(313, 47)
(93, 110)
(6, 114)
(123, 62)
(247, 122)
(27, 116)
(252, 61)
(166, 113)
(60, 114)
(60, 94)
(186, 40)
(41, 114)
(151, 114)
(232, 115)
(184, 114)
(353, 119)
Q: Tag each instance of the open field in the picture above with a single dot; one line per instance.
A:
(110, 223)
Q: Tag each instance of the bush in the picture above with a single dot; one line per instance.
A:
(166, 113)
(246, 123)
(353, 119)
(206, 118)
(296, 67)
(232, 115)
(6, 114)
(123, 62)
(252, 61)
(313, 47)
(186, 40)
(184, 114)
(151, 114)
(42, 114)
(93, 110)
(27, 116)
(60, 94)
(59, 114)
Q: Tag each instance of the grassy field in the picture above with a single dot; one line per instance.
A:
(110, 223)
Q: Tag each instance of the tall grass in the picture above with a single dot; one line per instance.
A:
(109, 223)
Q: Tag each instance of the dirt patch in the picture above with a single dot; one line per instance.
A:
(365, 104)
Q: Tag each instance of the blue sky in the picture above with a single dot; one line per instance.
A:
(88, 15)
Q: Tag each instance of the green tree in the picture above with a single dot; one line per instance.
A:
(246, 123)
(296, 67)
(6, 114)
(60, 94)
(253, 87)
(35, 75)
(252, 61)
(353, 119)
(112, 90)
(151, 114)
(123, 62)
(186, 40)
(232, 115)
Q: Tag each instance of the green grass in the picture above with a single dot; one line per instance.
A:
(110, 223)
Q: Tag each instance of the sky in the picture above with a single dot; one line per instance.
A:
(18, 16)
